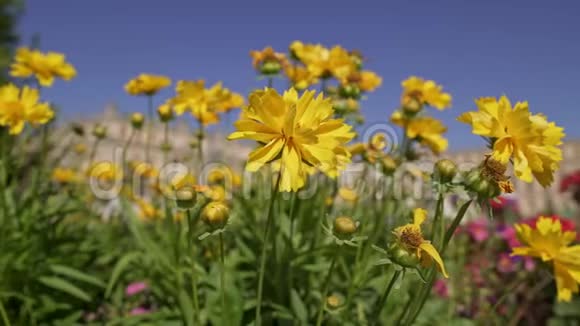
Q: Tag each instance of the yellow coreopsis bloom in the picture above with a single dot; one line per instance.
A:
(529, 140)
(18, 106)
(548, 242)
(147, 211)
(426, 92)
(323, 62)
(296, 131)
(348, 194)
(65, 175)
(367, 81)
(44, 66)
(261, 60)
(300, 77)
(429, 132)
(147, 84)
(410, 237)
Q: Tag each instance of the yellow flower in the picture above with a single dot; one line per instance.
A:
(268, 61)
(105, 171)
(147, 211)
(204, 104)
(297, 131)
(146, 84)
(300, 77)
(550, 243)
(80, 148)
(367, 81)
(216, 193)
(426, 92)
(323, 62)
(65, 175)
(44, 66)
(18, 106)
(347, 194)
(529, 140)
(410, 237)
(143, 169)
(429, 132)
(165, 111)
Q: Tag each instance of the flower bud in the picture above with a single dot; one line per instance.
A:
(344, 226)
(402, 257)
(388, 165)
(359, 119)
(78, 129)
(166, 147)
(333, 301)
(193, 144)
(100, 131)
(215, 215)
(137, 120)
(270, 67)
(165, 112)
(445, 170)
(350, 91)
(471, 178)
(185, 197)
(411, 105)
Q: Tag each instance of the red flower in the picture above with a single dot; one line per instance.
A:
(571, 180)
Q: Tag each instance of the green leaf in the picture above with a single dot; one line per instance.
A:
(119, 269)
(298, 307)
(77, 275)
(185, 305)
(64, 286)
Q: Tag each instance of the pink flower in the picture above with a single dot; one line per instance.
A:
(478, 230)
(139, 311)
(440, 288)
(508, 233)
(505, 263)
(135, 288)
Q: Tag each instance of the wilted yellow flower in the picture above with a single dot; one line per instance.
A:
(298, 131)
(410, 237)
(550, 243)
(429, 132)
(366, 81)
(323, 62)
(268, 61)
(300, 77)
(44, 66)
(426, 92)
(529, 140)
(146, 84)
(18, 106)
(65, 175)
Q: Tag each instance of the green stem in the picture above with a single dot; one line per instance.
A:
(223, 278)
(94, 151)
(200, 136)
(383, 299)
(325, 289)
(126, 147)
(149, 128)
(269, 223)
(291, 243)
(4, 315)
(165, 141)
(191, 223)
(270, 82)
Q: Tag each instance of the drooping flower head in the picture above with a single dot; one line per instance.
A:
(147, 84)
(551, 243)
(299, 132)
(410, 237)
(365, 81)
(425, 92)
(21, 106)
(515, 134)
(44, 66)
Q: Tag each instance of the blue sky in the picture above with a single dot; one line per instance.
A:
(528, 50)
